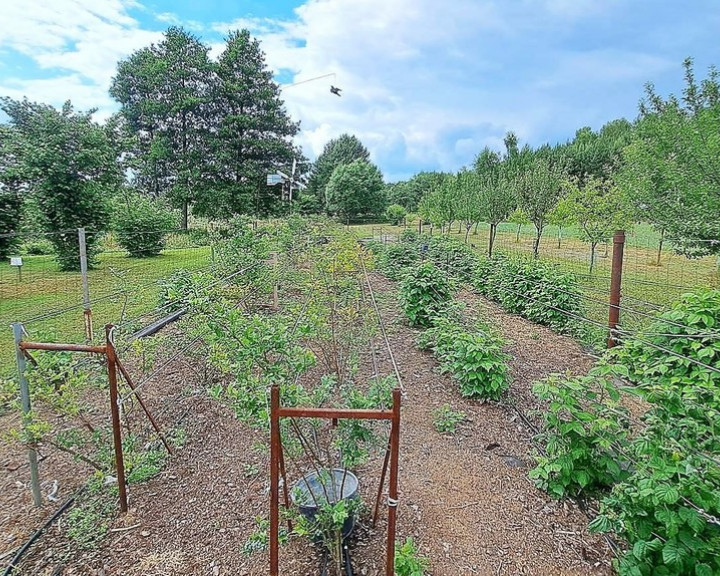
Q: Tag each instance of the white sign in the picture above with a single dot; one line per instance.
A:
(273, 179)
(16, 261)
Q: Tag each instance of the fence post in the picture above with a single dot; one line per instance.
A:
(25, 399)
(275, 280)
(274, 477)
(393, 487)
(87, 312)
(615, 285)
(115, 413)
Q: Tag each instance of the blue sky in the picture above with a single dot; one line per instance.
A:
(426, 84)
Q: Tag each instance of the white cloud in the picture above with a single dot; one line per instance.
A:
(80, 39)
(426, 84)
(422, 80)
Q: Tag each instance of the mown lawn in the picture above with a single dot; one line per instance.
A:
(120, 287)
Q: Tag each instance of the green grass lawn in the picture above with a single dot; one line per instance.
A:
(645, 287)
(120, 286)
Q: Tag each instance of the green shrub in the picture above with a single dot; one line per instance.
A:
(581, 433)
(142, 226)
(38, 248)
(177, 290)
(533, 289)
(241, 248)
(668, 509)
(479, 365)
(410, 235)
(395, 259)
(446, 420)
(456, 258)
(677, 329)
(424, 291)
(407, 561)
(395, 214)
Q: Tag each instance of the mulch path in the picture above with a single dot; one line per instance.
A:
(464, 498)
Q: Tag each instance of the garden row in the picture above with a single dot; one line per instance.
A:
(652, 469)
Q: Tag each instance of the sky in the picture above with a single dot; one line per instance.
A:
(426, 84)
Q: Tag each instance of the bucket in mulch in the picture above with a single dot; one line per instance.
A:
(328, 487)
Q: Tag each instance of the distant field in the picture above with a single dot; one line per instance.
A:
(119, 285)
(646, 286)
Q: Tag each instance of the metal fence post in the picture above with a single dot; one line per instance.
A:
(25, 399)
(275, 280)
(115, 413)
(615, 285)
(87, 312)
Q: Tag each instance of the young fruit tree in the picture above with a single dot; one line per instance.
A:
(495, 192)
(538, 187)
(599, 209)
(671, 171)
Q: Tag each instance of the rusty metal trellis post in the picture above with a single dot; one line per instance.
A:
(115, 413)
(276, 412)
(393, 488)
(615, 285)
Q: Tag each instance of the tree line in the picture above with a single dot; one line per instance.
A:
(192, 134)
(663, 168)
(198, 136)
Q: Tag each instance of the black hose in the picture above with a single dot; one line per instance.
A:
(24, 548)
(348, 563)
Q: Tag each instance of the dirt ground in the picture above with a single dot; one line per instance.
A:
(464, 498)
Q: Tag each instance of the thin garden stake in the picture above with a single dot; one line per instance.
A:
(393, 488)
(25, 398)
(87, 312)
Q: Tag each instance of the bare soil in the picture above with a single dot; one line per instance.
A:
(464, 498)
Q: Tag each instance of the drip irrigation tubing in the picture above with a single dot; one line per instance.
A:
(36, 535)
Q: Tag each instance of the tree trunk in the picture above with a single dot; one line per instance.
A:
(559, 236)
(468, 226)
(605, 254)
(536, 243)
(491, 239)
(592, 256)
(476, 227)
(660, 247)
(460, 227)
(517, 236)
(185, 214)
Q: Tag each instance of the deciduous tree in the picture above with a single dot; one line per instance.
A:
(342, 150)
(355, 189)
(68, 163)
(672, 168)
(538, 187)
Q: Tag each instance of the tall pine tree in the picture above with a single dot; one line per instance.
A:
(252, 135)
(163, 91)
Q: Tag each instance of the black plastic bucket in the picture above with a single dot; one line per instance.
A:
(325, 488)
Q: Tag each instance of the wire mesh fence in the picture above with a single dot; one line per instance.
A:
(50, 301)
(654, 275)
